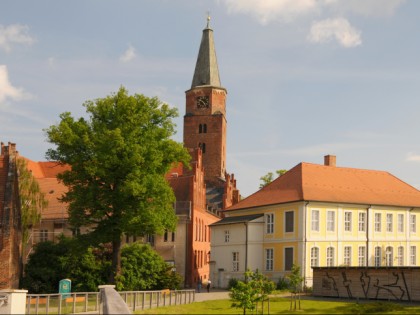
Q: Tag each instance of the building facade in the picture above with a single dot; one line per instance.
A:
(201, 192)
(320, 215)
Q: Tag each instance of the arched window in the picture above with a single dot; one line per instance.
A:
(389, 256)
(204, 128)
(314, 257)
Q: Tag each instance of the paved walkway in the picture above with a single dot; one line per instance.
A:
(213, 295)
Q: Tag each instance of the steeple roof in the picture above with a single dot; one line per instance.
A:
(206, 69)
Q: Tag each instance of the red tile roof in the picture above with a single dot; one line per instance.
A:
(46, 175)
(314, 182)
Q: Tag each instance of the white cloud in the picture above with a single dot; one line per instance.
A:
(128, 55)
(289, 10)
(269, 10)
(413, 157)
(7, 91)
(338, 29)
(14, 34)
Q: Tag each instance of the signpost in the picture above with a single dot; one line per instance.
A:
(65, 288)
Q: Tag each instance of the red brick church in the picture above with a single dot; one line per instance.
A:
(201, 192)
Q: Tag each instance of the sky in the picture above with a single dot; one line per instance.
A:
(305, 78)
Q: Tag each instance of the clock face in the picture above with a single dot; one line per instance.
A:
(202, 102)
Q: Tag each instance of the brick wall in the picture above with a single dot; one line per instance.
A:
(382, 283)
(10, 220)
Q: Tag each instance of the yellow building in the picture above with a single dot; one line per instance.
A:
(320, 215)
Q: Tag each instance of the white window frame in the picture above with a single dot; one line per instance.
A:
(413, 223)
(315, 220)
(389, 256)
(347, 255)
(269, 224)
(347, 221)
(400, 218)
(378, 219)
(235, 261)
(269, 259)
(362, 256)
(227, 236)
(314, 256)
(400, 255)
(389, 222)
(378, 256)
(330, 221)
(330, 256)
(43, 235)
(413, 255)
(362, 221)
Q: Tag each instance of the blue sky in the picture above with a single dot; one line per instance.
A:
(305, 78)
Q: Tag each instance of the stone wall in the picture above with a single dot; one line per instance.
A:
(381, 283)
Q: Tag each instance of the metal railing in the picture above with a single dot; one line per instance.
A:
(83, 302)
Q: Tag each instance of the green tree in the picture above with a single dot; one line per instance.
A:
(295, 281)
(269, 177)
(246, 294)
(143, 269)
(32, 199)
(118, 158)
(50, 262)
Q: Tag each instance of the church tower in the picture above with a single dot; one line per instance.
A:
(205, 116)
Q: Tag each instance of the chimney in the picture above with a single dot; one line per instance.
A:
(329, 160)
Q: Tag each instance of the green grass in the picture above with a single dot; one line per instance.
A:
(282, 306)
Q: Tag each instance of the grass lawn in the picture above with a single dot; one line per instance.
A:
(282, 305)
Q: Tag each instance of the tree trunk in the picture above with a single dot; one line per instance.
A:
(116, 259)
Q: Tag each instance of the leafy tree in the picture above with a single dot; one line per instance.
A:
(269, 177)
(295, 281)
(118, 158)
(32, 199)
(246, 294)
(50, 262)
(143, 269)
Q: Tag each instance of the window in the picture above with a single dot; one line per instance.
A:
(389, 218)
(362, 256)
(269, 223)
(150, 239)
(377, 222)
(314, 257)
(347, 255)
(315, 220)
(227, 236)
(173, 237)
(413, 259)
(165, 236)
(202, 146)
(330, 256)
(347, 221)
(290, 224)
(389, 255)
(269, 259)
(330, 221)
(378, 255)
(43, 236)
(235, 261)
(400, 223)
(412, 223)
(288, 258)
(362, 222)
(202, 128)
(400, 256)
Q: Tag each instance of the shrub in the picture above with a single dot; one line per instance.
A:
(233, 282)
(282, 284)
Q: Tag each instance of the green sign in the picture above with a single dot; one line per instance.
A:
(65, 288)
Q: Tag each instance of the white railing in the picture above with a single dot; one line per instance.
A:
(83, 302)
